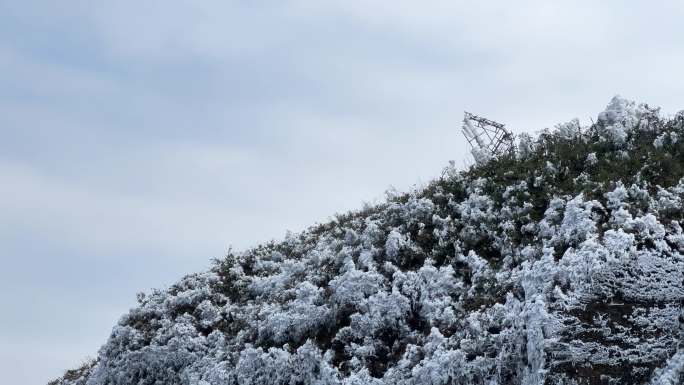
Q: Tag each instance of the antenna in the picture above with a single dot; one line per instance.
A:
(487, 135)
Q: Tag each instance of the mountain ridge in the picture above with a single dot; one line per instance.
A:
(559, 262)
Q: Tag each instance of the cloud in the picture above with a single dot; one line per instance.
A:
(141, 139)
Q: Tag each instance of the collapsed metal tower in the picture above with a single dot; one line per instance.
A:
(486, 135)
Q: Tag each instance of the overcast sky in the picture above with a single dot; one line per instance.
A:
(140, 139)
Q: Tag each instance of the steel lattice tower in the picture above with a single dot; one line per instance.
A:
(485, 134)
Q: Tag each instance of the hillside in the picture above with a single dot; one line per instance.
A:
(559, 263)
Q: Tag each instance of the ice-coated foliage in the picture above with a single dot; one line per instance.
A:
(559, 263)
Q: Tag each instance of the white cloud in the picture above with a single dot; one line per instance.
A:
(161, 133)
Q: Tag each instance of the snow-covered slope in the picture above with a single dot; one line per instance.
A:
(560, 263)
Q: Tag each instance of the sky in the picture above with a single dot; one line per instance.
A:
(139, 140)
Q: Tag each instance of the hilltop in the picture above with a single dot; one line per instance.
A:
(559, 262)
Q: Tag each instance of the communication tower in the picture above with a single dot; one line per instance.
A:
(486, 135)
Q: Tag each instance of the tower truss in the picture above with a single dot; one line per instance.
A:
(487, 135)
